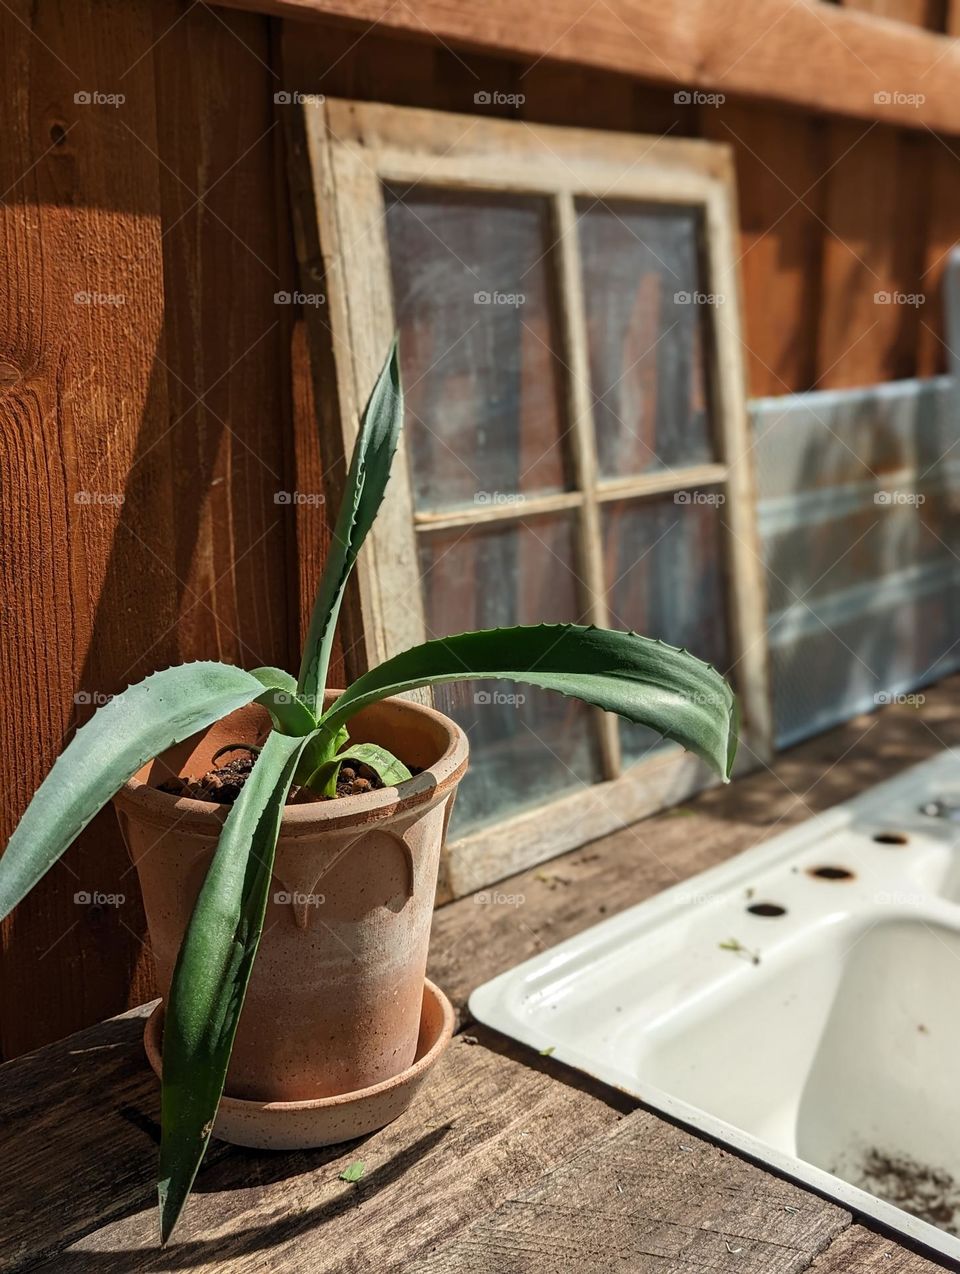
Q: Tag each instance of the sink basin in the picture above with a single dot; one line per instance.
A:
(799, 1003)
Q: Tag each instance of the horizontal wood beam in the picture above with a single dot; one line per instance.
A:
(661, 482)
(512, 507)
(818, 56)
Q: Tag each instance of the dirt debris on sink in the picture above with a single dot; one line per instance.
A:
(928, 1193)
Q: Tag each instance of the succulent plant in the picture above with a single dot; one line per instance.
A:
(641, 679)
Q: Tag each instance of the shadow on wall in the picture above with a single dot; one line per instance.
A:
(149, 433)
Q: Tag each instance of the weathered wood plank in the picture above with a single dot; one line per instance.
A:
(77, 1141)
(489, 1122)
(859, 1249)
(650, 1198)
(733, 47)
(80, 1115)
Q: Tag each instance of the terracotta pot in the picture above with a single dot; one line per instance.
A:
(325, 1121)
(334, 1000)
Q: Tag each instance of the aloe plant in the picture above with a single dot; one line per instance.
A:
(643, 680)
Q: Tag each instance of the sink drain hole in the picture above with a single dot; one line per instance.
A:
(766, 909)
(832, 873)
(891, 838)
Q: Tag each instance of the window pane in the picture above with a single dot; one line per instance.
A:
(476, 312)
(664, 572)
(526, 745)
(646, 312)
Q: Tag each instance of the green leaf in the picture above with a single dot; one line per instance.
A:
(213, 969)
(324, 780)
(123, 735)
(390, 769)
(319, 755)
(644, 680)
(290, 714)
(363, 494)
(353, 1171)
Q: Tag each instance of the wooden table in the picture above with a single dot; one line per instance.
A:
(508, 1161)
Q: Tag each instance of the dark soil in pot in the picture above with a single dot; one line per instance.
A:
(224, 782)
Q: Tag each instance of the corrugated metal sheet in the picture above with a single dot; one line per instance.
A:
(859, 496)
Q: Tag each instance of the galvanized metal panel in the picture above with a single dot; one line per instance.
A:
(859, 492)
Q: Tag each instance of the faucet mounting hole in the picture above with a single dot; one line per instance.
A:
(832, 873)
(766, 909)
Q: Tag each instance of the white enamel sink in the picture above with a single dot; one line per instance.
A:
(824, 1041)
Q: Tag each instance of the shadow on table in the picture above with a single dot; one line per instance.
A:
(93, 1102)
(839, 764)
(240, 1170)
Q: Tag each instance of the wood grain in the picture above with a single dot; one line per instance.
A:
(872, 256)
(607, 1208)
(747, 47)
(858, 1248)
(930, 14)
(163, 409)
(498, 1133)
(353, 147)
(485, 1106)
(939, 239)
(227, 340)
(85, 399)
(780, 159)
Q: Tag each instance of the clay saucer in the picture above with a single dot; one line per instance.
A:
(325, 1121)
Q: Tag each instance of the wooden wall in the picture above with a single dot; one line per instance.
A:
(186, 391)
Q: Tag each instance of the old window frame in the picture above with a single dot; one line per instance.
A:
(343, 154)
